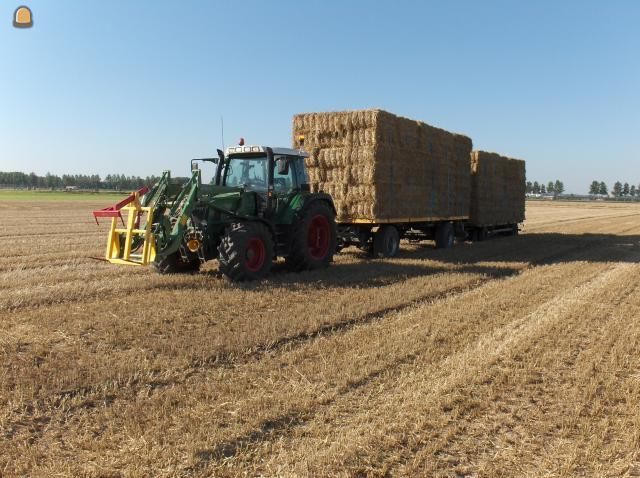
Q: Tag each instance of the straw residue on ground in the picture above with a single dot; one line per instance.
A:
(515, 357)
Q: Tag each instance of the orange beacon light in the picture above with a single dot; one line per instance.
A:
(22, 17)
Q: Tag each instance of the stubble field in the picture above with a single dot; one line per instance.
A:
(513, 357)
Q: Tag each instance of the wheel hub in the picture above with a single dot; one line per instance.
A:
(319, 237)
(255, 254)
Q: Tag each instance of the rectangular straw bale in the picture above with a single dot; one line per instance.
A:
(381, 167)
(497, 189)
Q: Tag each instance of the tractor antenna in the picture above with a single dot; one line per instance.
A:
(222, 130)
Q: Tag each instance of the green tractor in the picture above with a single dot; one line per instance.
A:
(257, 207)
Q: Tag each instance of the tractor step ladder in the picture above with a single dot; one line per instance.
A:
(119, 253)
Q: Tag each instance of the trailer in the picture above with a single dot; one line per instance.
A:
(394, 178)
(497, 205)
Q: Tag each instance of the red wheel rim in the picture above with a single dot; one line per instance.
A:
(255, 254)
(319, 235)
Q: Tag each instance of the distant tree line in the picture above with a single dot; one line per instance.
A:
(117, 182)
(552, 187)
(619, 190)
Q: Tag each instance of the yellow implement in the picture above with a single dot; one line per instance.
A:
(123, 244)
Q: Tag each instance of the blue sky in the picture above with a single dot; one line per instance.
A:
(138, 87)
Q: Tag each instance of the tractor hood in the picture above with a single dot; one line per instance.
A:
(235, 200)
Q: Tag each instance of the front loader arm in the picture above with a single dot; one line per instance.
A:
(158, 192)
(171, 228)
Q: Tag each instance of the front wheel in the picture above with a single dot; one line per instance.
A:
(174, 263)
(246, 251)
(313, 238)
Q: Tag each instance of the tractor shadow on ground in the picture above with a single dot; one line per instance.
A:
(372, 273)
(495, 258)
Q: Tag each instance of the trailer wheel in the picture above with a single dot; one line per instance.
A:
(386, 242)
(313, 238)
(479, 234)
(514, 231)
(174, 263)
(246, 251)
(445, 235)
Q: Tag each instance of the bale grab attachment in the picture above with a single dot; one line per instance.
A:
(122, 243)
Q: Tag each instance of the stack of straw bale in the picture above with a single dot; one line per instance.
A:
(381, 167)
(497, 189)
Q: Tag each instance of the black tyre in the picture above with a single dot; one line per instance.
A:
(313, 238)
(445, 235)
(386, 242)
(514, 231)
(174, 263)
(246, 251)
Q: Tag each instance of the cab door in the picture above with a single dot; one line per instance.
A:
(285, 187)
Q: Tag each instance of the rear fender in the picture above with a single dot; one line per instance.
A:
(321, 197)
(311, 198)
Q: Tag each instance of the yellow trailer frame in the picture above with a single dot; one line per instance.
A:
(404, 220)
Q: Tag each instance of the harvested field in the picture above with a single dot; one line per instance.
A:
(515, 357)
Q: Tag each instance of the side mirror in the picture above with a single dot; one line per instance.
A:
(208, 160)
(283, 167)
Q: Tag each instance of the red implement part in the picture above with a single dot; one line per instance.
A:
(114, 211)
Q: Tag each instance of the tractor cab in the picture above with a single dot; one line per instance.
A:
(263, 169)
(273, 176)
(270, 175)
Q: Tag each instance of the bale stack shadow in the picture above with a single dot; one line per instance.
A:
(496, 258)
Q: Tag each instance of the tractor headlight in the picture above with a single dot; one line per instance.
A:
(193, 245)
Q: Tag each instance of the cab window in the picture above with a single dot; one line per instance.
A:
(283, 182)
(300, 171)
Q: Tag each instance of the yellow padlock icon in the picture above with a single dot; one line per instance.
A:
(22, 17)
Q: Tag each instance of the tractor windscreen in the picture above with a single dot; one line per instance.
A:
(248, 172)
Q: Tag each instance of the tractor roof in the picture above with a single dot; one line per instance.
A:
(262, 149)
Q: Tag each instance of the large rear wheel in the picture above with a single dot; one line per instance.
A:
(246, 251)
(386, 241)
(313, 238)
